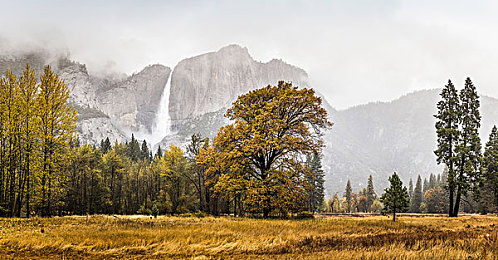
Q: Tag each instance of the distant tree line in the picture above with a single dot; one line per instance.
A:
(366, 200)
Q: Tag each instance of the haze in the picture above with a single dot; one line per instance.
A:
(354, 52)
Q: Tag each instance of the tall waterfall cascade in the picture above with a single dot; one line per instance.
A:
(162, 126)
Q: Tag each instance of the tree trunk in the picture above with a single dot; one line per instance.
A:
(266, 212)
(394, 214)
(27, 197)
(457, 203)
(450, 212)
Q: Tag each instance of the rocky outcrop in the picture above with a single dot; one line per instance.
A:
(16, 61)
(92, 130)
(130, 105)
(108, 106)
(134, 102)
(212, 81)
(83, 93)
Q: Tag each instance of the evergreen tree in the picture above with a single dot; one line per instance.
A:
(489, 184)
(432, 181)
(105, 145)
(447, 135)
(370, 193)
(425, 187)
(348, 194)
(144, 154)
(416, 199)
(395, 198)
(316, 180)
(159, 152)
(133, 149)
(469, 147)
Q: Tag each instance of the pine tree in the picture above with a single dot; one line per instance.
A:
(395, 198)
(425, 187)
(144, 153)
(159, 152)
(316, 180)
(416, 199)
(370, 193)
(489, 184)
(432, 181)
(348, 194)
(105, 145)
(447, 135)
(469, 147)
(133, 149)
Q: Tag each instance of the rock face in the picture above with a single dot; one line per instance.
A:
(134, 102)
(212, 81)
(82, 90)
(107, 106)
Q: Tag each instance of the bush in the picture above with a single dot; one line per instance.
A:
(198, 214)
(305, 215)
(154, 211)
(144, 211)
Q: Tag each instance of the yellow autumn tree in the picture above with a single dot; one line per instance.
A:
(10, 142)
(178, 188)
(57, 129)
(29, 126)
(262, 154)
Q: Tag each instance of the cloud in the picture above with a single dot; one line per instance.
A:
(354, 51)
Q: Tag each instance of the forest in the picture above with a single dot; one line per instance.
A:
(45, 171)
(266, 163)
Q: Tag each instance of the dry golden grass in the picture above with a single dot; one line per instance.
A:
(97, 237)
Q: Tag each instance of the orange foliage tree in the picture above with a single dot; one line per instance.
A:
(259, 159)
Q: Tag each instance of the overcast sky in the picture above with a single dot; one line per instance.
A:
(354, 51)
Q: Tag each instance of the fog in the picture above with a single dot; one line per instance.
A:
(354, 51)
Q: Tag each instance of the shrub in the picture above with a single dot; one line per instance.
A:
(155, 211)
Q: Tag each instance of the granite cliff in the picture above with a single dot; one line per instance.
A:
(113, 106)
(212, 81)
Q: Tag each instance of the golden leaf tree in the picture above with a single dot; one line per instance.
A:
(260, 158)
(57, 128)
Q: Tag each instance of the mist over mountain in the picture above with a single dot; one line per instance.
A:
(382, 137)
(376, 138)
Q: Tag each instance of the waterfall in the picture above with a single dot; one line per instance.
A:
(162, 126)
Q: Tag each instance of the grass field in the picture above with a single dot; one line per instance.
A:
(135, 237)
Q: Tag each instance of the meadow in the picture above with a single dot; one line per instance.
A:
(336, 237)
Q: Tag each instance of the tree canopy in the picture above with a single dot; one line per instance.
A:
(262, 154)
(395, 198)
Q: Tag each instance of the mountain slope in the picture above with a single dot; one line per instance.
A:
(212, 81)
(383, 137)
